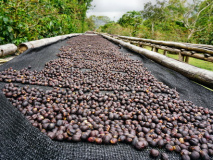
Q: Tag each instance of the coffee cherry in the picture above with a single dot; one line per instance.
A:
(99, 94)
(154, 153)
(164, 156)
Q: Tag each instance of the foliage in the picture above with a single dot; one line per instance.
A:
(205, 36)
(131, 19)
(35, 19)
(173, 20)
(90, 23)
(115, 28)
(100, 20)
(190, 14)
(83, 7)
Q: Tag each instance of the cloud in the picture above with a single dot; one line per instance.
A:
(114, 9)
(114, 16)
(117, 5)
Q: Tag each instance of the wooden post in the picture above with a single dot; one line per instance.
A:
(187, 59)
(181, 57)
(165, 52)
(155, 49)
(152, 48)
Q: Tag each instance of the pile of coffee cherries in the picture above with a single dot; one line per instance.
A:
(100, 95)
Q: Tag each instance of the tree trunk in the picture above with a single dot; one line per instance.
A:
(153, 29)
(192, 31)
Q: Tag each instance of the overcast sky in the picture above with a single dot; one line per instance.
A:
(114, 9)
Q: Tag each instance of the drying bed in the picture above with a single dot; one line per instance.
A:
(94, 91)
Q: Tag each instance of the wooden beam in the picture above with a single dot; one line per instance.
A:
(198, 56)
(7, 49)
(38, 43)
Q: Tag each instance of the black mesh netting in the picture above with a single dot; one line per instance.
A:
(20, 140)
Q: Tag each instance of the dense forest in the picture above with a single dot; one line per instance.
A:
(25, 20)
(173, 20)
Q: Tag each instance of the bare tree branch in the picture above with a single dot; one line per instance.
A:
(198, 14)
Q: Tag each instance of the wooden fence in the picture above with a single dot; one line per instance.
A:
(184, 50)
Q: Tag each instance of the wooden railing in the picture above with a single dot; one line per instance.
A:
(184, 50)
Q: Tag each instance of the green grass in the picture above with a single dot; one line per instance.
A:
(6, 56)
(193, 61)
(204, 86)
(201, 64)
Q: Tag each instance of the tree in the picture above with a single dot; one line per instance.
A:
(100, 20)
(27, 20)
(206, 20)
(85, 5)
(154, 12)
(90, 23)
(131, 18)
(189, 14)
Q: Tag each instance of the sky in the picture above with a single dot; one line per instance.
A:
(114, 9)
